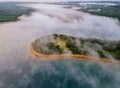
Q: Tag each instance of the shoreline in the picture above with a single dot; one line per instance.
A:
(77, 56)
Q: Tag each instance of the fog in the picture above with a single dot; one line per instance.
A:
(18, 66)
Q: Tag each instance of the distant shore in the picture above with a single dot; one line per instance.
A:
(81, 57)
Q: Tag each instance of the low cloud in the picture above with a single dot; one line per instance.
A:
(15, 38)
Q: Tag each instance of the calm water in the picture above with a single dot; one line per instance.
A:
(67, 73)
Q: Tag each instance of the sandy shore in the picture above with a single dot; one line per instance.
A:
(81, 57)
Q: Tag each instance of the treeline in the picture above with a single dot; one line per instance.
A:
(81, 46)
(102, 47)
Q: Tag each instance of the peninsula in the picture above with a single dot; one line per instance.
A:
(60, 45)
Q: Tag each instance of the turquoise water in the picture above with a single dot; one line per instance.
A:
(67, 73)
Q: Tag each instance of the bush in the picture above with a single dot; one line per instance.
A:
(118, 46)
(101, 54)
(55, 48)
(63, 37)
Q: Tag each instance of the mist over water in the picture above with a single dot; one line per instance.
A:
(20, 69)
